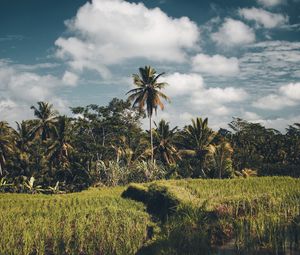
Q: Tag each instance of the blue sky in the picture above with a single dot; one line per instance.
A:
(222, 59)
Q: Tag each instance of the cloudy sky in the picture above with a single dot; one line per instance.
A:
(222, 59)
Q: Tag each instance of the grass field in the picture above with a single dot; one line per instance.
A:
(194, 216)
(90, 222)
(252, 215)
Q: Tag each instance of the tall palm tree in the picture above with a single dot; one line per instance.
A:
(130, 153)
(23, 142)
(60, 147)
(198, 141)
(293, 143)
(46, 118)
(6, 144)
(221, 159)
(164, 142)
(148, 92)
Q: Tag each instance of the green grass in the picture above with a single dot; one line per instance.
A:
(195, 217)
(90, 222)
(255, 214)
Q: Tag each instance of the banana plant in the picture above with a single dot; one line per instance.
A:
(31, 188)
(55, 189)
(4, 185)
(246, 173)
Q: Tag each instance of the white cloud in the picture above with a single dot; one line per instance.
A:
(292, 91)
(286, 96)
(280, 123)
(221, 111)
(269, 64)
(263, 17)
(233, 33)
(216, 102)
(35, 67)
(273, 102)
(21, 89)
(70, 78)
(215, 65)
(185, 116)
(216, 96)
(108, 32)
(270, 3)
(198, 96)
(250, 116)
(183, 84)
(277, 45)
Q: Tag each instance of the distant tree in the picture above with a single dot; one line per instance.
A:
(45, 119)
(221, 160)
(60, 147)
(6, 145)
(98, 128)
(130, 153)
(164, 142)
(198, 143)
(148, 93)
(23, 145)
(293, 144)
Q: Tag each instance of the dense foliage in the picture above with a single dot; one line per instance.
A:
(106, 145)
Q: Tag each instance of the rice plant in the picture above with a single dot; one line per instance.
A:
(248, 215)
(91, 222)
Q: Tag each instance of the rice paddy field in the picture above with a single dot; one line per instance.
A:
(234, 216)
(90, 222)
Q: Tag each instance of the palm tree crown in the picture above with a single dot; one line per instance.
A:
(6, 144)
(164, 139)
(46, 118)
(60, 145)
(221, 159)
(199, 139)
(148, 92)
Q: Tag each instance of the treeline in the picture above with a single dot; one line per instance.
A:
(106, 145)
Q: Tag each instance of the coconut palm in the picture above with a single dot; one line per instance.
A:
(60, 147)
(148, 93)
(23, 141)
(6, 144)
(23, 133)
(164, 142)
(130, 153)
(293, 141)
(221, 159)
(46, 118)
(198, 141)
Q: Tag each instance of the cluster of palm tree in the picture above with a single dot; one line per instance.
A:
(107, 145)
(36, 147)
(198, 137)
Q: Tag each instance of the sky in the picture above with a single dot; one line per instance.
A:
(222, 59)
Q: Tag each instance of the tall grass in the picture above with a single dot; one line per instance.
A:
(91, 222)
(254, 214)
(246, 216)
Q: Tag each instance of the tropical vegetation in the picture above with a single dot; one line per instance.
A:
(195, 189)
(107, 142)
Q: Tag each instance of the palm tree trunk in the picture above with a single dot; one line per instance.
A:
(2, 163)
(151, 139)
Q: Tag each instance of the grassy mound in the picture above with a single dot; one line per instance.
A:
(255, 214)
(91, 222)
(159, 200)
